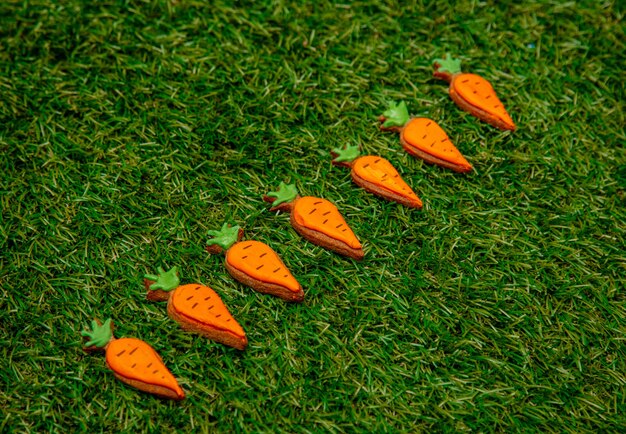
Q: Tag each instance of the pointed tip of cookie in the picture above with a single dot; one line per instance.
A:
(358, 255)
(242, 343)
(417, 204)
(297, 297)
(464, 168)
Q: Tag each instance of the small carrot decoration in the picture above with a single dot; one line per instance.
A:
(376, 175)
(317, 220)
(423, 138)
(132, 361)
(254, 263)
(473, 94)
(196, 308)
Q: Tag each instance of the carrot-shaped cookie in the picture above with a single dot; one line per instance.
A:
(473, 94)
(317, 220)
(254, 264)
(423, 138)
(132, 361)
(376, 175)
(196, 308)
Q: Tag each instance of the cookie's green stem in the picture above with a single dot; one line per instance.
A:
(225, 237)
(448, 64)
(286, 193)
(397, 115)
(100, 335)
(347, 154)
(165, 280)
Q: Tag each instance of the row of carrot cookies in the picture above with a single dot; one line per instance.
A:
(199, 309)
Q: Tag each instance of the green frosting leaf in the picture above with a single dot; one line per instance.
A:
(225, 237)
(453, 66)
(165, 280)
(100, 335)
(286, 193)
(349, 153)
(396, 115)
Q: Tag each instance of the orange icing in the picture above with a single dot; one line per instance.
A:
(322, 216)
(134, 359)
(478, 92)
(202, 304)
(379, 171)
(260, 262)
(427, 136)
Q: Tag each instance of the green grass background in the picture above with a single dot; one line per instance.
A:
(129, 129)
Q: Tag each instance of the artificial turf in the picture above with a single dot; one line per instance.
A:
(129, 129)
